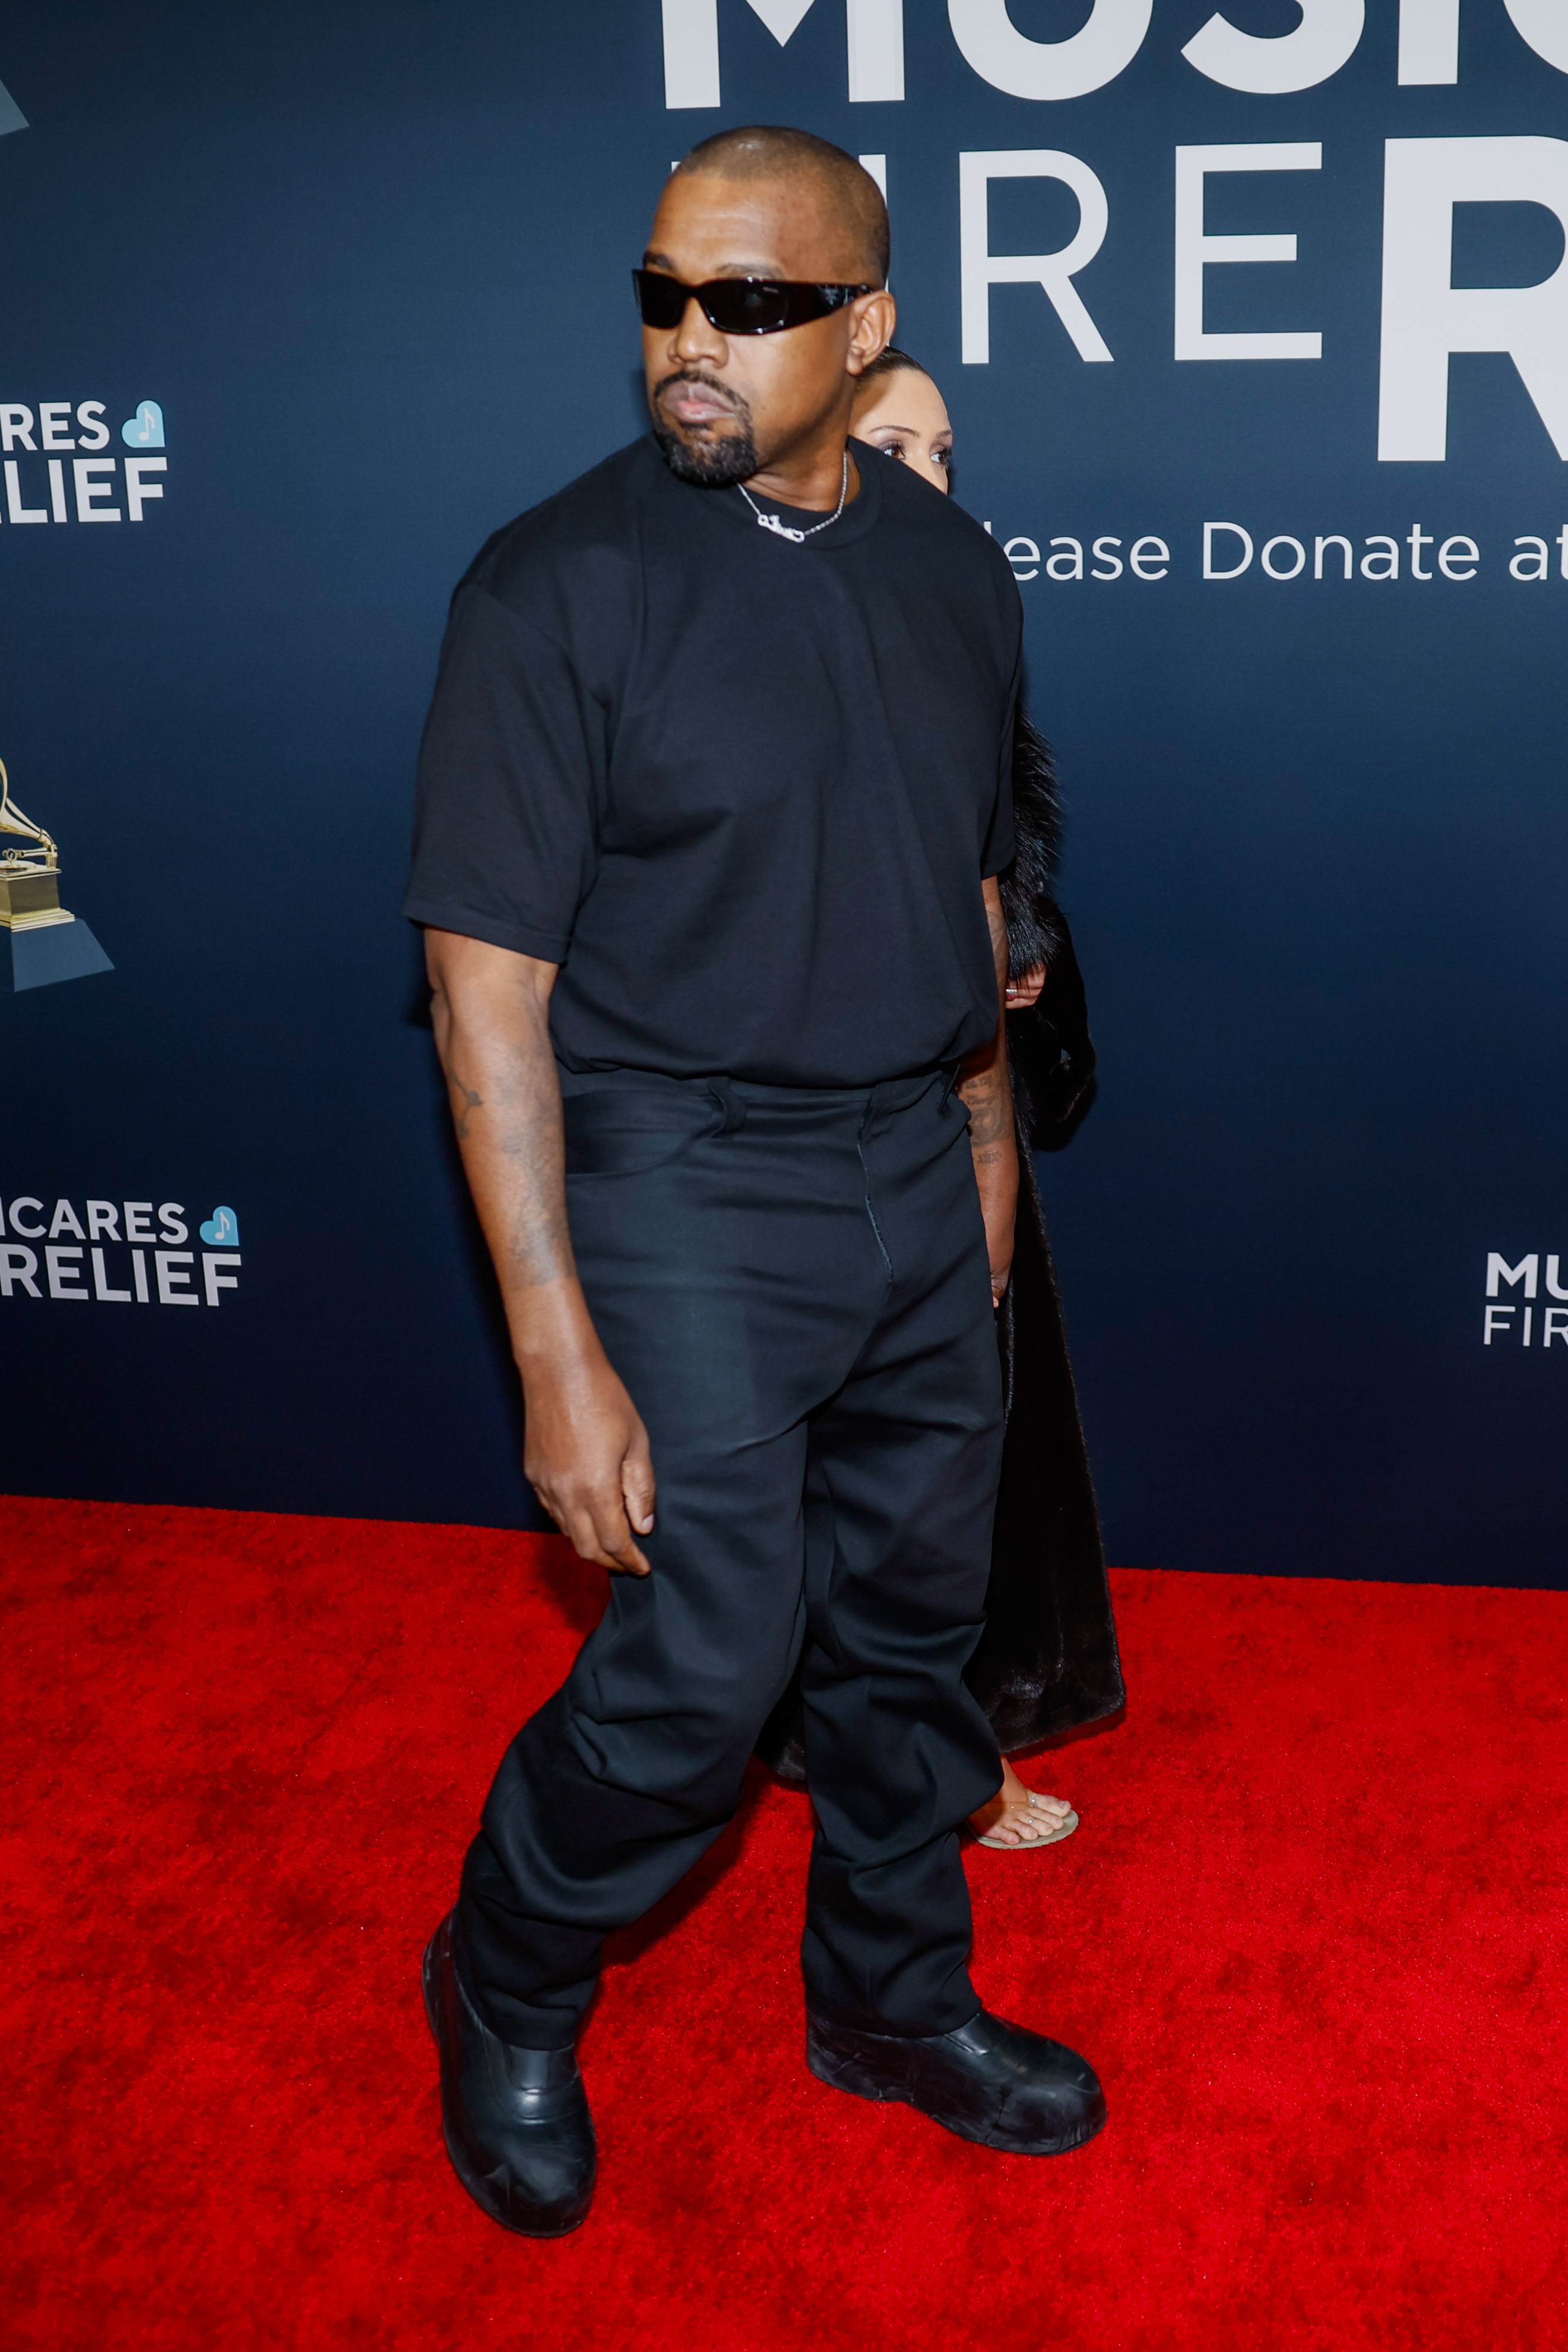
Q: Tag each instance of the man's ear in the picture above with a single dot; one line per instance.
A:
(875, 317)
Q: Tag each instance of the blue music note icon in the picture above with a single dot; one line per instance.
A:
(222, 1230)
(145, 429)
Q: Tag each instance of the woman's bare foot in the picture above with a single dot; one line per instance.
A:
(1020, 1816)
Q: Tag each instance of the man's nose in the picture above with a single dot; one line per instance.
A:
(698, 339)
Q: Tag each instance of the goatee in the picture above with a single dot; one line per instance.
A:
(711, 465)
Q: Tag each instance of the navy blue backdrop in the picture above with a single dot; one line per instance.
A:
(368, 266)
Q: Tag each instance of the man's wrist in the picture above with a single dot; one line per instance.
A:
(552, 1332)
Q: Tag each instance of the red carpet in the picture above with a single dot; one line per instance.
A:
(1312, 1931)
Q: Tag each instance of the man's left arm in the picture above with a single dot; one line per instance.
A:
(984, 1087)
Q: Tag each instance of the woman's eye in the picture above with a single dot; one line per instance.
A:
(941, 456)
(891, 449)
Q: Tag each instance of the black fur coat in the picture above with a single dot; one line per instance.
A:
(1047, 1660)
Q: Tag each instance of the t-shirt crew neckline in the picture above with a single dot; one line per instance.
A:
(858, 517)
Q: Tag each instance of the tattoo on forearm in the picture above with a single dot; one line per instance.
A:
(522, 1201)
(471, 1101)
(538, 1245)
(984, 1086)
(990, 1110)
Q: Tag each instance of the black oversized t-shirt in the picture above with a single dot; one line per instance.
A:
(743, 790)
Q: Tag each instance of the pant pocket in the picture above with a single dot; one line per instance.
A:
(628, 1131)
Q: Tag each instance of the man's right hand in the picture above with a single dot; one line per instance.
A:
(587, 1458)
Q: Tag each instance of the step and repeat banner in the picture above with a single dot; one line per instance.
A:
(1253, 324)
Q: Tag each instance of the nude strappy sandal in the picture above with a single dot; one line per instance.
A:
(1031, 1845)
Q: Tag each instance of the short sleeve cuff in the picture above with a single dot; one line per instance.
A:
(443, 914)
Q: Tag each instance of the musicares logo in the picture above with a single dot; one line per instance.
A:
(44, 487)
(1516, 1319)
(117, 1256)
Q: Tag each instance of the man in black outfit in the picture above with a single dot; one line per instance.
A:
(712, 798)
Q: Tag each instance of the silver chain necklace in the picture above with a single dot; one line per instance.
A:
(786, 530)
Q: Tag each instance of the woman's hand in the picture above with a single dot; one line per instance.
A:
(1022, 994)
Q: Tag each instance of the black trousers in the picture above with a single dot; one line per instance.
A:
(793, 1286)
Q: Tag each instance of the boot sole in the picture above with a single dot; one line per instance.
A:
(475, 2182)
(855, 2076)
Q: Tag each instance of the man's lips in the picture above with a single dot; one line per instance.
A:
(691, 404)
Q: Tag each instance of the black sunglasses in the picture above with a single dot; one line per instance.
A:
(738, 306)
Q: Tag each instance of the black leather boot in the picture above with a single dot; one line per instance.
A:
(990, 2082)
(516, 2122)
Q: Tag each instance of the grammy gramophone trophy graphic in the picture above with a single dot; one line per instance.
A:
(43, 941)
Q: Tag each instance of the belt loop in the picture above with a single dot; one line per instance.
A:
(730, 1105)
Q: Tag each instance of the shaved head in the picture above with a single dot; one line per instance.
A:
(845, 188)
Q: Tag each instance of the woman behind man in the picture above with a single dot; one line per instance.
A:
(1047, 1660)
